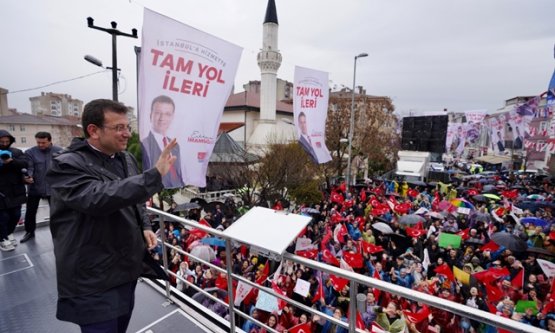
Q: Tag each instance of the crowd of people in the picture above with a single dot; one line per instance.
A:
(486, 241)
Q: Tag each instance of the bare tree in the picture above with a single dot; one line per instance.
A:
(374, 135)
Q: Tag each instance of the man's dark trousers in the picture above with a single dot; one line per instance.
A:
(31, 213)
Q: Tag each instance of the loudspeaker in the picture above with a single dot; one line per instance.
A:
(426, 133)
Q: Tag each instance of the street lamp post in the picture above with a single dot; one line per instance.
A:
(352, 121)
(114, 32)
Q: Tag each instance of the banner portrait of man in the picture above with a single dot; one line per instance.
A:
(162, 113)
(310, 107)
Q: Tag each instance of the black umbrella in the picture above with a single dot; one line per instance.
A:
(200, 201)
(416, 182)
(489, 189)
(480, 217)
(541, 251)
(480, 198)
(211, 206)
(401, 241)
(509, 241)
(381, 219)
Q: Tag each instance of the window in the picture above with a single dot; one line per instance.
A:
(23, 139)
(11, 127)
(22, 128)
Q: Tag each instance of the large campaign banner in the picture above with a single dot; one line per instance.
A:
(473, 124)
(310, 107)
(185, 78)
(455, 139)
(497, 132)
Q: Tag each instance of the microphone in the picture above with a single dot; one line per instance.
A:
(25, 172)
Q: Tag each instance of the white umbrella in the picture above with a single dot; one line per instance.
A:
(383, 228)
(204, 252)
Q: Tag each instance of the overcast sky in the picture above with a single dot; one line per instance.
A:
(426, 55)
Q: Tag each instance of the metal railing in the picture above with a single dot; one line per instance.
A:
(354, 280)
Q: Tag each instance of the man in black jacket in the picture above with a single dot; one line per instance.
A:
(98, 222)
(39, 159)
(12, 189)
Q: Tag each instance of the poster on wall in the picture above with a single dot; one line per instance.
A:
(185, 79)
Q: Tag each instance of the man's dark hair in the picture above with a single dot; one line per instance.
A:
(43, 135)
(301, 114)
(163, 99)
(94, 111)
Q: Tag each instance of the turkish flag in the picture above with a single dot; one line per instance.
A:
(393, 200)
(490, 246)
(444, 269)
(465, 233)
(518, 280)
(378, 211)
(337, 198)
(336, 217)
(198, 233)
(491, 275)
(472, 192)
(309, 254)
(221, 281)
(359, 322)
(319, 291)
(353, 259)
(277, 289)
(301, 328)
(371, 248)
(493, 292)
(413, 193)
(338, 283)
(329, 258)
(205, 223)
(512, 194)
(340, 233)
(414, 232)
(325, 240)
(264, 275)
(343, 187)
(417, 317)
(376, 291)
(363, 195)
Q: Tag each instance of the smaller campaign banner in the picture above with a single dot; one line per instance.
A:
(310, 109)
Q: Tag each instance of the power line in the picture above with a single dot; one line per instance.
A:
(57, 82)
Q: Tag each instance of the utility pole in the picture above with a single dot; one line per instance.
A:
(114, 32)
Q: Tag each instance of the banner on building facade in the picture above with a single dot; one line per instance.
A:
(310, 109)
(455, 139)
(185, 78)
(473, 124)
(497, 132)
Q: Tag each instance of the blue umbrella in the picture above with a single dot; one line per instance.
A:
(535, 221)
(213, 241)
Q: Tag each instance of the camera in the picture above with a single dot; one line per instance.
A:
(5, 154)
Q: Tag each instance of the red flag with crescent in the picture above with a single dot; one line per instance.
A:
(353, 259)
(338, 283)
(329, 258)
(301, 328)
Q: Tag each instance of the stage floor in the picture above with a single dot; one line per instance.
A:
(28, 295)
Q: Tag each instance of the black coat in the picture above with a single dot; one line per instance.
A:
(97, 219)
(12, 186)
